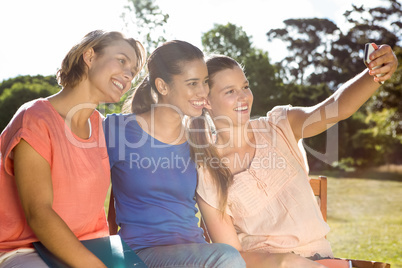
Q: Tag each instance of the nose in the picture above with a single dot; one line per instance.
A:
(242, 95)
(128, 74)
(203, 90)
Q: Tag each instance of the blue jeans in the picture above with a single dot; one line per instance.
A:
(192, 255)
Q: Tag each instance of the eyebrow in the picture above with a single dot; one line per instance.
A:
(124, 54)
(230, 86)
(227, 87)
(192, 79)
(195, 79)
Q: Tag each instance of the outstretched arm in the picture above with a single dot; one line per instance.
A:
(34, 184)
(310, 121)
(221, 230)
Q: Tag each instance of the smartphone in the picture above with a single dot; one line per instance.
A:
(368, 49)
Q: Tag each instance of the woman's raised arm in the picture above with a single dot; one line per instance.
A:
(310, 121)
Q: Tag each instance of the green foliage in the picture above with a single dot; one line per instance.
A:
(389, 98)
(381, 23)
(148, 20)
(17, 91)
(308, 43)
(27, 79)
(264, 80)
(229, 40)
(378, 139)
(373, 135)
(113, 108)
(232, 41)
(320, 53)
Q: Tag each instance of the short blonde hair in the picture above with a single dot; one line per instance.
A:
(73, 68)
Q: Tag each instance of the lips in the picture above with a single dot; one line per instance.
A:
(241, 108)
(199, 103)
(118, 84)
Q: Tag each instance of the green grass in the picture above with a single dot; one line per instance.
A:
(365, 216)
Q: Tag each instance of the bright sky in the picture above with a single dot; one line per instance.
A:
(35, 35)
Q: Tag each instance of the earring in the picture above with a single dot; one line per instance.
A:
(211, 125)
(164, 92)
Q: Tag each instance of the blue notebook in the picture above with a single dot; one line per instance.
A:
(111, 250)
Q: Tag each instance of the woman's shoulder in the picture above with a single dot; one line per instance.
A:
(35, 106)
(119, 122)
(275, 117)
(31, 110)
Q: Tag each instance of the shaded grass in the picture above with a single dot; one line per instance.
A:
(365, 216)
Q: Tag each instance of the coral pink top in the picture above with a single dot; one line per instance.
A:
(80, 174)
(271, 203)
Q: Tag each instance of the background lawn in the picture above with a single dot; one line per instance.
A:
(365, 216)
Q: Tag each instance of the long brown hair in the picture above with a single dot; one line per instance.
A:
(203, 150)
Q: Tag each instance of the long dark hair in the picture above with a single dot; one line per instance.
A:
(166, 61)
(200, 134)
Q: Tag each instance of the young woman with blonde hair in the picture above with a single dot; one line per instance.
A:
(54, 167)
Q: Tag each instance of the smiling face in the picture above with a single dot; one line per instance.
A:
(111, 72)
(188, 90)
(230, 98)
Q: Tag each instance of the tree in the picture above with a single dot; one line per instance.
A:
(149, 20)
(17, 91)
(27, 79)
(229, 40)
(232, 41)
(309, 43)
(383, 112)
(264, 80)
(380, 25)
(373, 135)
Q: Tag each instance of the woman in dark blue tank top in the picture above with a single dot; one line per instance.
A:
(153, 175)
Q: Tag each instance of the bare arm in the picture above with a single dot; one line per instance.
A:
(310, 121)
(34, 183)
(111, 215)
(221, 230)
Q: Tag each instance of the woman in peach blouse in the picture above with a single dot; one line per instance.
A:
(253, 190)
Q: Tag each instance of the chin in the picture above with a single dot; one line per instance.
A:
(197, 114)
(115, 99)
(193, 112)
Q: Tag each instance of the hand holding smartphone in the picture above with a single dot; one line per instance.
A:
(368, 49)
